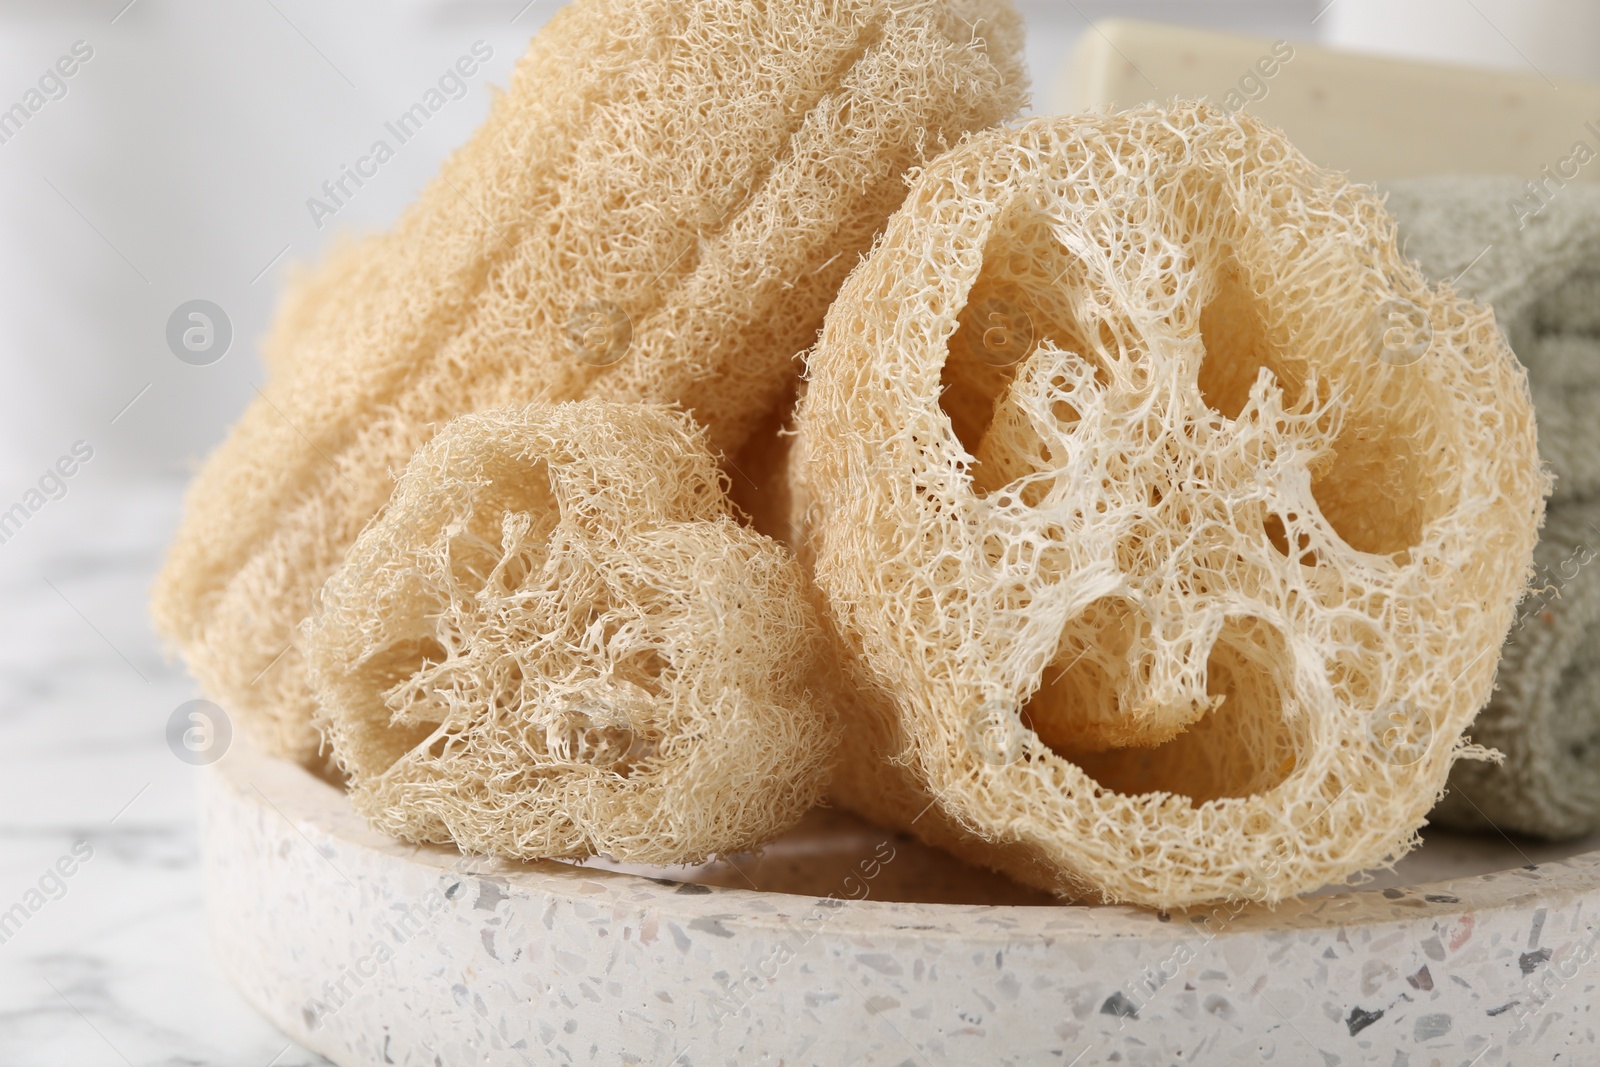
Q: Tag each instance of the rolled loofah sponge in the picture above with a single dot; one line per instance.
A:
(556, 641)
(660, 207)
(1168, 519)
(1541, 271)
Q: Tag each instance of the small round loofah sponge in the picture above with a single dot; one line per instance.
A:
(556, 641)
(1168, 519)
(659, 208)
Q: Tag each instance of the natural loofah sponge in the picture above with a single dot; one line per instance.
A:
(1541, 271)
(1169, 520)
(660, 208)
(556, 641)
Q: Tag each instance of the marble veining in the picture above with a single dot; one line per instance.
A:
(113, 967)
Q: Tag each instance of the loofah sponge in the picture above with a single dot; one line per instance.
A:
(1541, 271)
(556, 641)
(660, 207)
(1169, 521)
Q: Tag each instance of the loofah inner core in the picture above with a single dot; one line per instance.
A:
(1016, 305)
(1238, 348)
(490, 551)
(1244, 746)
(1370, 489)
(388, 670)
(556, 641)
(1375, 493)
(1035, 309)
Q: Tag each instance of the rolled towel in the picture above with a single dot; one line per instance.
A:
(1545, 713)
(1540, 270)
(1539, 266)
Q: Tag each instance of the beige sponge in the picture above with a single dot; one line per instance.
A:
(660, 207)
(1178, 517)
(556, 641)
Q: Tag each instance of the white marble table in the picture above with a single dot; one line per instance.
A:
(116, 969)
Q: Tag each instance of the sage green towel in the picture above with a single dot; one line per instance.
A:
(1541, 273)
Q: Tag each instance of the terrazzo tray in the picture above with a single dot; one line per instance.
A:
(844, 944)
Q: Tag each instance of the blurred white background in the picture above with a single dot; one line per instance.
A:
(178, 165)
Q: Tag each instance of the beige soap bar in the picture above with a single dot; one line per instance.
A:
(1373, 117)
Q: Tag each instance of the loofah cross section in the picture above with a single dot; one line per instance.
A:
(659, 208)
(556, 641)
(1170, 521)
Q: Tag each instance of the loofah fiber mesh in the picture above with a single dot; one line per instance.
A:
(659, 208)
(1169, 521)
(556, 641)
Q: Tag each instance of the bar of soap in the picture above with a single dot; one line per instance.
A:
(1372, 117)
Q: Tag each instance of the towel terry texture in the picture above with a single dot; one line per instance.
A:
(1541, 272)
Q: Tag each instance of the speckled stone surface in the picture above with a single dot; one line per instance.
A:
(375, 952)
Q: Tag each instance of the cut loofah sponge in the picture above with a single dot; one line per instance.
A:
(660, 208)
(1168, 519)
(556, 641)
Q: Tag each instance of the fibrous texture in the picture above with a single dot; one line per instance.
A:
(1169, 520)
(659, 208)
(557, 641)
(1545, 713)
(1536, 258)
